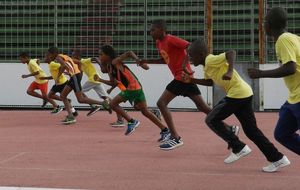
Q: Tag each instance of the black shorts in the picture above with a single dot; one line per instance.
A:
(58, 88)
(75, 82)
(183, 89)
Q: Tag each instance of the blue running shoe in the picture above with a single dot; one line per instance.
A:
(171, 144)
(131, 126)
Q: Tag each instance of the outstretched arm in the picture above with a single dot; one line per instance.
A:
(30, 75)
(107, 82)
(130, 54)
(188, 79)
(285, 70)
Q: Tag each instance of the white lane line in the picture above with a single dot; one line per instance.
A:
(260, 174)
(13, 157)
(31, 188)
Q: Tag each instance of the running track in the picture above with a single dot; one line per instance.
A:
(37, 151)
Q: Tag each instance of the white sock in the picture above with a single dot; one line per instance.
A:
(73, 110)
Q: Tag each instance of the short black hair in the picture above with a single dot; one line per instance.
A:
(53, 50)
(160, 23)
(24, 54)
(277, 18)
(198, 45)
(109, 50)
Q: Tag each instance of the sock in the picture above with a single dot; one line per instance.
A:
(73, 110)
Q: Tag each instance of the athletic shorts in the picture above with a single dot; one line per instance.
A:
(75, 82)
(183, 89)
(42, 87)
(133, 96)
(58, 88)
(98, 87)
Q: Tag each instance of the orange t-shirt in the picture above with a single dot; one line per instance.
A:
(72, 68)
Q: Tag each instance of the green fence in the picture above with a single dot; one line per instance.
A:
(36, 25)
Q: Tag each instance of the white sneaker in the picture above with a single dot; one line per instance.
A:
(118, 123)
(234, 157)
(274, 166)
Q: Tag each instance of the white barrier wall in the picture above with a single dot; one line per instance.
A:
(154, 81)
(273, 92)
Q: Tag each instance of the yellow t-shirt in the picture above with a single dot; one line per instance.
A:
(34, 67)
(288, 49)
(215, 67)
(88, 68)
(54, 69)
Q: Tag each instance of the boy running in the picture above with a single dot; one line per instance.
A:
(131, 90)
(41, 84)
(218, 69)
(173, 52)
(87, 66)
(68, 66)
(59, 86)
(288, 53)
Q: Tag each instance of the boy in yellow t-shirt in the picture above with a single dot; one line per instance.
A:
(288, 54)
(73, 84)
(218, 69)
(87, 67)
(41, 84)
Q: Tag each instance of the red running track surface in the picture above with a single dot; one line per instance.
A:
(37, 151)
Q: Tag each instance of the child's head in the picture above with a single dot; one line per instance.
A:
(76, 53)
(158, 29)
(107, 53)
(275, 21)
(24, 57)
(51, 54)
(198, 51)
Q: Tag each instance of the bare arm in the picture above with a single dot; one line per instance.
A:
(107, 82)
(125, 56)
(130, 54)
(184, 68)
(285, 70)
(77, 62)
(31, 75)
(230, 57)
(46, 78)
(62, 67)
(111, 89)
(203, 82)
(188, 79)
